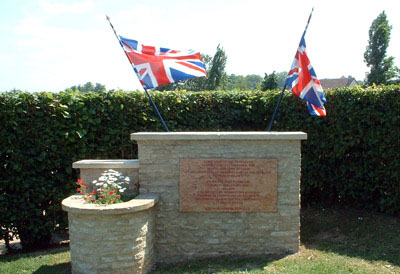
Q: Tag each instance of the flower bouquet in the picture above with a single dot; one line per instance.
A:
(110, 188)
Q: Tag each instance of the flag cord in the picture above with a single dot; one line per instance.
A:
(276, 109)
(145, 89)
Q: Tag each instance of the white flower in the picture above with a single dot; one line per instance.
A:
(122, 190)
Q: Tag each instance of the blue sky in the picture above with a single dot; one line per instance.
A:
(51, 45)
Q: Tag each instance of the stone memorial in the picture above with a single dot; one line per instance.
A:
(207, 194)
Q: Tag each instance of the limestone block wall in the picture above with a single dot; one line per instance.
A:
(115, 238)
(189, 235)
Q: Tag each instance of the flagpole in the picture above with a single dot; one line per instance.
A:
(156, 109)
(134, 69)
(284, 87)
(276, 108)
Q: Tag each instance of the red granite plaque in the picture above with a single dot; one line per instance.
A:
(228, 185)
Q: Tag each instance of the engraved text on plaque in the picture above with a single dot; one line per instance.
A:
(228, 185)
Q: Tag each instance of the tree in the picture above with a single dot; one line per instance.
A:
(89, 87)
(382, 67)
(99, 87)
(281, 76)
(248, 82)
(270, 82)
(254, 81)
(217, 77)
(238, 82)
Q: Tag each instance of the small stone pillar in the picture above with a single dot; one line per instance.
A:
(117, 238)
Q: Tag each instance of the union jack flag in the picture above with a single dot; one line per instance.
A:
(303, 81)
(156, 66)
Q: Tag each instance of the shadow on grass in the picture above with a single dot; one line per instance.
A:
(219, 264)
(17, 254)
(62, 268)
(54, 260)
(354, 233)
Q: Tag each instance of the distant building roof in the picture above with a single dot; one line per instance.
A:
(338, 83)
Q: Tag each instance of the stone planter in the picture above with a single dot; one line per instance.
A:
(115, 238)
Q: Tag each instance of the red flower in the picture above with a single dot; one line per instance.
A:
(85, 198)
(134, 189)
(111, 192)
(101, 196)
(78, 189)
(118, 196)
(86, 187)
(80, 192)
(94, 192)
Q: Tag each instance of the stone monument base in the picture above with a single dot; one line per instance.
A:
(220, 193)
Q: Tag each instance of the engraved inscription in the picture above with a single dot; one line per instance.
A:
(228, 185)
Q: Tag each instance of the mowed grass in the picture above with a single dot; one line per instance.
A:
(56, 260)
(332, 241)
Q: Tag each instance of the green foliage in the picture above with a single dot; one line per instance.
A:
(255, 82)
(382, 67)
(270, 82)
(350, 157)
(281, 78)
(89, 87)
(240, 82)
(217, 78)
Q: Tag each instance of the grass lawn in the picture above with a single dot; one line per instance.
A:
(333, 241)
(56, 260)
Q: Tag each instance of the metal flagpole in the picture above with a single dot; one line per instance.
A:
(276, 109)
(134, 69)
(284, 87)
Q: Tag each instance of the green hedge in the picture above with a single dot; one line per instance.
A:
(350, 157)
